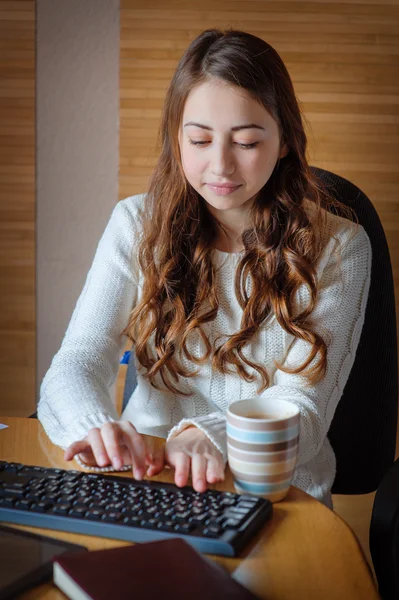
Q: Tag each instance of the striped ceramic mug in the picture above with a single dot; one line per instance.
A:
(262, 446)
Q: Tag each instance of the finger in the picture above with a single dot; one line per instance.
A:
(112, 439)
(181, 463)
(135, 443)
(198, 469)
(97, 445)
(76, 448)
(153, 449)
(214, 471)
(157, 461)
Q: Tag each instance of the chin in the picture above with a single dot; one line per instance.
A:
(225, 203)
(222, 203)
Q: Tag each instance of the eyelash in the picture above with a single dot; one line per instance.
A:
(244, 146)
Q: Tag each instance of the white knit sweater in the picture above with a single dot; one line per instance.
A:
(75, 391)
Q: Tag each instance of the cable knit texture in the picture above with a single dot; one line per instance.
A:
(75, 390)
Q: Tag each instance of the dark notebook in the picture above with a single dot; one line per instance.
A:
(151, 570)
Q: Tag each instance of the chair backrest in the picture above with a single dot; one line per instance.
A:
(363, 430)
(384, 535)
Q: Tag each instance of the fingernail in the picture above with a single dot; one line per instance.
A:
(116, 462)
(138, 474)
(102, 460)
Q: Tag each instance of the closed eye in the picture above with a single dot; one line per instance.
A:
(245, 146)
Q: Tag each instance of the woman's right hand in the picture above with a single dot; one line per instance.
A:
(118, 443)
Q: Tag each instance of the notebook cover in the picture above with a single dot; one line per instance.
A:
(151, 570)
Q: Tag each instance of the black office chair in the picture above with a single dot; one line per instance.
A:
(363, 431)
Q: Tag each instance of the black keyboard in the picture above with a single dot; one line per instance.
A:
(125, 509)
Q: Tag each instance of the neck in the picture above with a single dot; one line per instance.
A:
(231, 225)
(229, 241)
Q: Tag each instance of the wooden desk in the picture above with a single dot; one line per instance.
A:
(305, 552)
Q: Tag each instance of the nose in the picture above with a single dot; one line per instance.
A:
(222, 161)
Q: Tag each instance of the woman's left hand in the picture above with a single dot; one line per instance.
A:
(192, 451)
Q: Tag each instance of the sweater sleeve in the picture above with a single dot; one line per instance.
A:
(213, 425)
(339, 312)
(74, 394)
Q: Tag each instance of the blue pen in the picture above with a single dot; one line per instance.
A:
(124, 360)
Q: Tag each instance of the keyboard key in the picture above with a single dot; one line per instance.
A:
(67, 498)
(111, 517)
(196, 511)
(114, 506)
(50, 497)
(13, 467)
(198, 519)
(212, 531)
(150, 523)
(53, 476)
(132, 521)
(61, 509)
(181, 517)
(29, 472)
(166, 525)
(77, 512)
(185, 528)
(94, 514)
(34, 497)
(152, 510)
(24, 504)
(18, 485)
(228, 502)
(41, 506)
(12, 491)
(77, 505)
(231, 523)
(69, 486)
(8, 501)
(11, 477)
(246, 504)
(239, 510)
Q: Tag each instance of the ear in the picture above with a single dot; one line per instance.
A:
(284, 151)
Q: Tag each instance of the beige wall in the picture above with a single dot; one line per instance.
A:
(77, 94)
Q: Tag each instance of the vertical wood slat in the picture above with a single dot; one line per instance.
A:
(17, 207)
(344, 62)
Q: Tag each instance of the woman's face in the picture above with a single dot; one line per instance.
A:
(226, 137)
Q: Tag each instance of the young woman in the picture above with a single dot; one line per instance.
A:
(230, 276)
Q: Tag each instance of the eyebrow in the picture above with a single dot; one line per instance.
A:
(236, 128)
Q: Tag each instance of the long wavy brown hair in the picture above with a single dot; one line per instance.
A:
(281, 247)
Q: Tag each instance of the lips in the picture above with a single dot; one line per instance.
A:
(224, 185)
(223, 190)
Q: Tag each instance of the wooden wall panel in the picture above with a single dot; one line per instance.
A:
(343, 58)
(17, 207)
